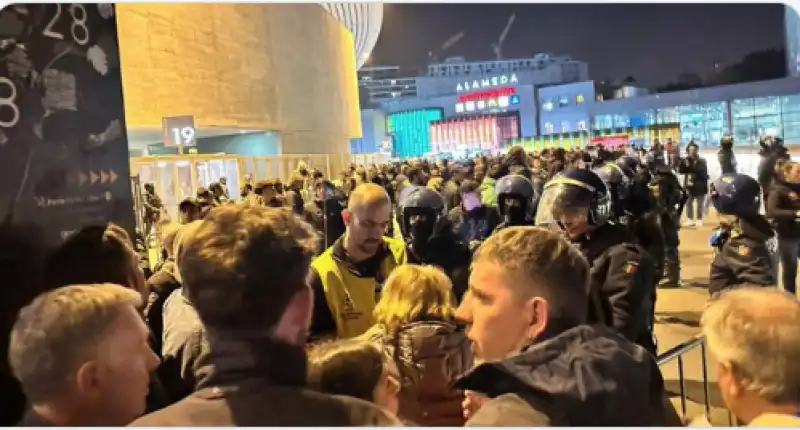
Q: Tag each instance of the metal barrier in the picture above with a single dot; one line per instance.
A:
(676, 354)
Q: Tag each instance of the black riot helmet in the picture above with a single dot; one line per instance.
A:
(516, 197)
(618, 184)
(736, 194)
(422, 215)
(628, 165)
(575, 190)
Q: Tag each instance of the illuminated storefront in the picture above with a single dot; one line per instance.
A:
(484, 133)
(410, 131)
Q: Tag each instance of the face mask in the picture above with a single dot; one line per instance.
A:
(471, 201)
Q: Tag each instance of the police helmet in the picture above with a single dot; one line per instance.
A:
(617, 182)
(629, 165)
(516, 187)
(736, 194)
(576, 188)
(424, 202)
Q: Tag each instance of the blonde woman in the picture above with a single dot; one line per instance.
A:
(415, 323)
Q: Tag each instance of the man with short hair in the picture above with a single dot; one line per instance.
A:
(753, 334)
(347, 278)
(82, 357)
(541, 365)
(244, 270)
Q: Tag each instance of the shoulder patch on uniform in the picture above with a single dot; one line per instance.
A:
(630, 268)
(744, 251)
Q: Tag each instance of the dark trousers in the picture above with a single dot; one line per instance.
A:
(788, 253)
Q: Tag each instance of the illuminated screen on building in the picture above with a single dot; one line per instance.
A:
(411, 131)
(493, 101)
(481, 133)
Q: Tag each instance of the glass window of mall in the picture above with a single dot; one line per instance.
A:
(774, 116)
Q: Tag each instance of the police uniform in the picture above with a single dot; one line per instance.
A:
(745, 242)
(670, 199)
(431, 238)
(744, 256)
(345, 292)
(622, 287)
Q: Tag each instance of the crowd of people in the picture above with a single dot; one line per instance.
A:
(501, 291)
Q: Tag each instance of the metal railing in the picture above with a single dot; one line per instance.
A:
(677, 354)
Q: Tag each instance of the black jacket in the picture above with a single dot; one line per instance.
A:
(450, 255)
(743, 258)
(695, 176)
(622, 282)
(648, 230)
(586, 376)
(261, 383)
(475, 225)
(766, 167)
(783, 203)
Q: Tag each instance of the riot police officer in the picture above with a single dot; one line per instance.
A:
(639, 214)
(426, 228)
(516, 201)
(670, 198)
(745, 240)
(622, 288)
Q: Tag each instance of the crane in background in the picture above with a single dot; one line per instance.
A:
(433, 56)
(497, 47)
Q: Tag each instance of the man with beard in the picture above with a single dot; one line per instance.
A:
(244, 269)
(516, 201)
(430, 237)
(541, 363)
(622, 274)
(347, 278)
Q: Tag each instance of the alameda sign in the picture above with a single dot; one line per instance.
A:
(494, 81)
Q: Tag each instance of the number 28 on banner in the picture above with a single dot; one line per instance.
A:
(77, 28)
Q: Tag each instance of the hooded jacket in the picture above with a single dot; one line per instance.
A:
(431, 356)
(586, 376)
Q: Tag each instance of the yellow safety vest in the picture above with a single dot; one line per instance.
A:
(352, 299)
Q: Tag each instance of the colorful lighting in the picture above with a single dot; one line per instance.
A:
(411, 131)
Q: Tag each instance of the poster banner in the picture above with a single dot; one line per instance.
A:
(63, 145)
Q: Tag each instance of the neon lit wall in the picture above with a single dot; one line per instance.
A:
(482, 133)
(411, 131)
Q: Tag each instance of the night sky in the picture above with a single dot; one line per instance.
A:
(654, 43)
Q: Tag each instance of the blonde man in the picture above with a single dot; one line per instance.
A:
(753, 333)
(542, 365)
(82, 357)
(416, 324)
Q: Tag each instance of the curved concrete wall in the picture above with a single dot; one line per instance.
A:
(288, 68)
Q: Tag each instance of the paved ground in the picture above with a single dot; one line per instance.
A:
(677, 317)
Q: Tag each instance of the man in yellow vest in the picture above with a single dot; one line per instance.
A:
(347, 278)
